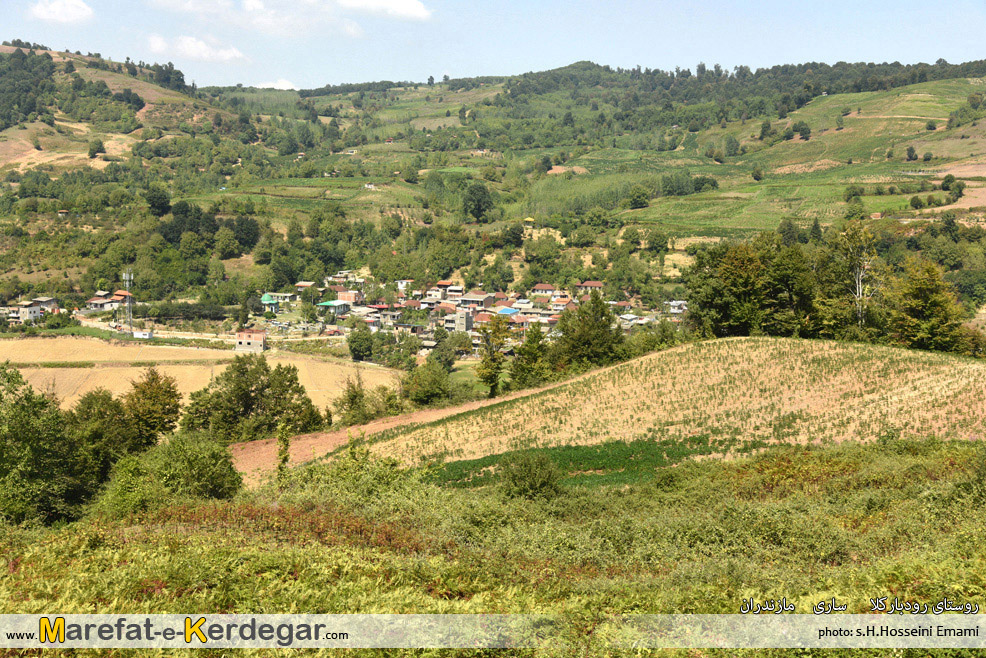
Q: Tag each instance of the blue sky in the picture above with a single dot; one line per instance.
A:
(308, 43)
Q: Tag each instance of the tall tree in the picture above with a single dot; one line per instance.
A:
(924, 311)
(589, 335)
(493, 338)
(857, 249)
(152, 406)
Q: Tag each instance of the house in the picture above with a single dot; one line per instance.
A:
(454, 292)
(47, 304)
(353, 297)
(543, 288)
(676, 306)
(560, 304)
(435, 293)
(304, 286)
(506, 310)
(478, 299)
(251, 340)
(23, 313)
(336, 306)
(283, 297)
(461, 321)
(444, 285)
(102, 300)
(586, 287)
(145, 334)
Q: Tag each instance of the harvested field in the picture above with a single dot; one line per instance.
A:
(764, 390)
(116, 365)
(37, 350)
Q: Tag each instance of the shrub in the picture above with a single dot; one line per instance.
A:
(194, 465)
(189, 465)
(531, 475)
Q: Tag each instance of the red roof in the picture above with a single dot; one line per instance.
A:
(122, 293)
(483, 317)
(444, 282)
(592, 284)
(500, 295)
(412, 304)
(543, 286)
(96, 300)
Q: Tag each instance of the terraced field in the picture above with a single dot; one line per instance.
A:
(732, 393)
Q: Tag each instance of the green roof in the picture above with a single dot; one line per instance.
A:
(267, 299)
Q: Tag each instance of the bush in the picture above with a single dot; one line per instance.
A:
(194, 465)
(189, 465)
(132, 489)
(530, 475)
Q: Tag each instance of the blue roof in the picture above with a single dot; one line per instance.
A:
(506, 310)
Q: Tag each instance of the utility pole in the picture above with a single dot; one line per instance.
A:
(128, 280)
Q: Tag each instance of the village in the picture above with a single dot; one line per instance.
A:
(342, 303)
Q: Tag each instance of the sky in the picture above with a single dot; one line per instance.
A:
(310, 43)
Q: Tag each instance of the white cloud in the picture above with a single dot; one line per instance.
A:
(412, 9)
(196, 49)
(280, 83)
(61, 11)
(289, 18)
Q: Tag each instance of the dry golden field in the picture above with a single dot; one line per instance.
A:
(117, 364)
(767, 390)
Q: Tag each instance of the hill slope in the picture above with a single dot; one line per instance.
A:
(729, 392)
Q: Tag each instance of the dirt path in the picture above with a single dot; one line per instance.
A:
(255, 459)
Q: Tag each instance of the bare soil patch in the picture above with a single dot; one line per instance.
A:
(807, 167)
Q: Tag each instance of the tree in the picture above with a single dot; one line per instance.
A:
(360, 342)
(99, 426)
(732, 146)
(39, 463)
(788, 232)
(765, 130)
(431, 81)
(95, 148)
(530, 367)
(428, 383)
(857, 249)
(917, 202)
(152, 406)
(924, 311)
(493, 338)
(477, 200)
(589, 335)
(158, 200)
(248, 400)
(226, 244)
(912, 154)
(638, 198)
(815, 233)
(757, 173)
(443, 355)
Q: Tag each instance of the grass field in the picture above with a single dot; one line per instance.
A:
(728, 394)
(70, 367)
